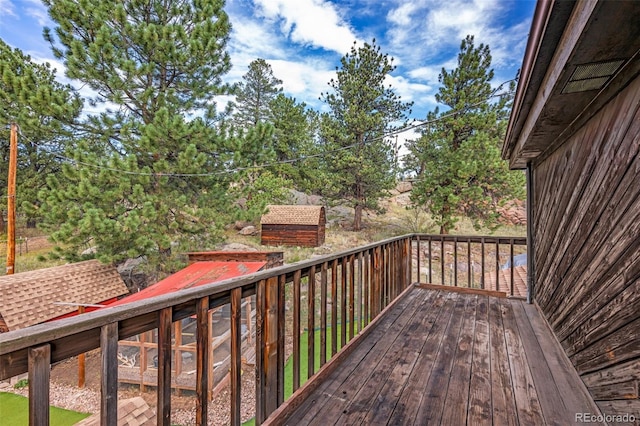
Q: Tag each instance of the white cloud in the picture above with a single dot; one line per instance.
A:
(310, 22)
(304, 80)
(38, 11)
(424, 29)
(409, 91)
(403, 14)
(8, 10)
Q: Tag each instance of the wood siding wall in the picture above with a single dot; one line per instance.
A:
(587, 250)
(292, 235)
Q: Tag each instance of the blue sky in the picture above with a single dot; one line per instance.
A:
(303, 40)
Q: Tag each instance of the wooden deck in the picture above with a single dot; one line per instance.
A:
(451, 358)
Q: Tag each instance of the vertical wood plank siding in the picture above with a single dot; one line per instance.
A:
(587, 250)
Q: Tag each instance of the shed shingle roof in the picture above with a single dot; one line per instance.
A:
(131, 412)
(292, 215)
(29, 298)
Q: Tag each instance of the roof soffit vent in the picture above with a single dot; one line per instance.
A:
(591, 76)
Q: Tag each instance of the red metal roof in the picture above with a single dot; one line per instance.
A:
(194, 275)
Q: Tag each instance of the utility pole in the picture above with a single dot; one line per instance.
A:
(11, 200)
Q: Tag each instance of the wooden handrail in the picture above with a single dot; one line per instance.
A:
(357, 284)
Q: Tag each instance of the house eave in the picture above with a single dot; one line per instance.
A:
(565, 35)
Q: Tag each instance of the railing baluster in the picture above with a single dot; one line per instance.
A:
(395, 268)
(430, 263)
(367, 284)
(512, 265)
(202, 360)
(311, 321)
(482, 263)
(343, 302)
(236, 354)
(469, 283)
(418, 258)
(334, 307)
(375, 282)
(442, 256)
(497, 265)
(296, 329)
(164, 367)
(455, 261)
(323, 314)
(39, 364)
(351, 276)
(360, 313)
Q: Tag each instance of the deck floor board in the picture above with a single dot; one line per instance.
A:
(445, 358)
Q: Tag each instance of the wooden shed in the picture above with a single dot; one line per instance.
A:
(575, 127)
(302, 226)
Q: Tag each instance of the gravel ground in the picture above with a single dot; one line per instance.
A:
(88, 400)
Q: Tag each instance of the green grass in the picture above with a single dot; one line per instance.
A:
(14, 411)
(304, 365)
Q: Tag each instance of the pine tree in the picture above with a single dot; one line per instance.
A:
(361, 167)
(255, 94)
(43, 110)
(457, 161)
(294, 130)
(149, 173)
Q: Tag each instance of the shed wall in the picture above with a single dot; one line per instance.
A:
(587, 250)
(292, 235)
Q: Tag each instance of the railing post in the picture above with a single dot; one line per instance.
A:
(39, 364)
(267, 348)
(109, 377)
(202, 360)
(164, 367)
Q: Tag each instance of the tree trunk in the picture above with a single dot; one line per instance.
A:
(3, 228)
(357, 218)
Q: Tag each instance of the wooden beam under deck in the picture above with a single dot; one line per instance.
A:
(447, 357)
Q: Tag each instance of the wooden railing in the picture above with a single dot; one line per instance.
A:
(324, 301)
(472, 261)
